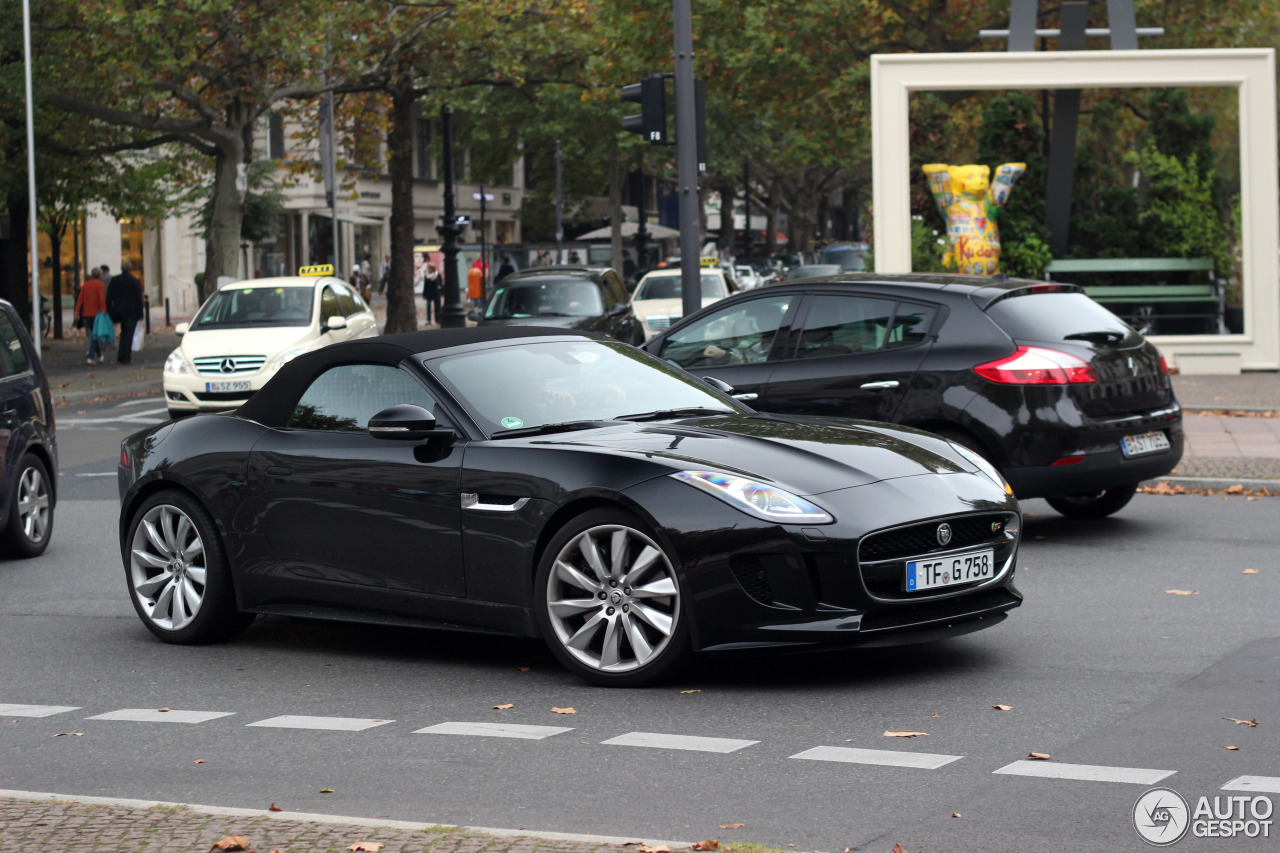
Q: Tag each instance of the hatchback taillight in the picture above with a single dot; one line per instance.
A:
(1037, 366)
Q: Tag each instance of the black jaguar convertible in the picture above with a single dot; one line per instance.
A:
(535, 482)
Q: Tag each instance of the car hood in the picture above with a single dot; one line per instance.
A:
(807, 456)
(664, 307)
(267, 341)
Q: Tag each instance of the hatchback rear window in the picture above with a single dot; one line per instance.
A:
(1054, 317)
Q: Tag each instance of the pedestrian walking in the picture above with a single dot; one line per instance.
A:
(475, 285)
(432, 285)
(124, 305)
(506, 269)
(384, 275)
(91, 302)
(573, 257)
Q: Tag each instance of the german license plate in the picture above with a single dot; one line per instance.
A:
(227, 386)
(950, 570)
(1150, 442)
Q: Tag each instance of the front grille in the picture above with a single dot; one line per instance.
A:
(882, 557)
(237, 365)
(659, 324)
(223, 396)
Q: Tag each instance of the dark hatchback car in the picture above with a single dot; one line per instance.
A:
(585, 299)
(1065, 399)
(29, 490)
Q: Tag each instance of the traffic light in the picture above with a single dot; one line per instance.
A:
(651, 95)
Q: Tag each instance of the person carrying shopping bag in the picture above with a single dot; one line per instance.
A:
(91, 303)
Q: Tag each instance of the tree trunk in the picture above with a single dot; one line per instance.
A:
(230, 183)
(402, 315)
(771, 227)
(17, 275)
(57, 230)
(728, 234)
(615, 208)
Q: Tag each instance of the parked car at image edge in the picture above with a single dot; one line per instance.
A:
(534, 482)
(30, 489)
(657, 300)
(249, 329)
(587, 299)
(1069, 402)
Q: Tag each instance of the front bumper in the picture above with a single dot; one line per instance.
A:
(191, 392)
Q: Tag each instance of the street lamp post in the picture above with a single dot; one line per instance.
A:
(31, 179)
(483, 197)
(453, 315)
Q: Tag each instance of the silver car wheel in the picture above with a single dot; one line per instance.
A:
(33, 505)
(613, 598)
(167, 567)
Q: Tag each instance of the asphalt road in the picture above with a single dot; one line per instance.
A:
(1101, 667)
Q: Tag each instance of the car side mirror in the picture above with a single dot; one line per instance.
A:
(181, 329)
(406, 422)
(719, 384)
(333, 324)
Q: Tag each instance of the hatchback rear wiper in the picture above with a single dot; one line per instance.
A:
(563, 426)
(1107, 337)
(688, 412)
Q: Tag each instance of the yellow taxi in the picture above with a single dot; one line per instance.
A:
(243, 334)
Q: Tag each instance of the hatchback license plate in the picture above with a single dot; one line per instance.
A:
(950, 570)
(229, 386)
(1151, 442)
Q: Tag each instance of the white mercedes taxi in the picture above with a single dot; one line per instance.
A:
(243, 334)
(658, 301)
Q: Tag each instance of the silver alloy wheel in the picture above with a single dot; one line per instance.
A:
(33, 504)
(613, 598)
(167, 567)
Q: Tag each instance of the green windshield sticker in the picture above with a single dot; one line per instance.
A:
(512, 423)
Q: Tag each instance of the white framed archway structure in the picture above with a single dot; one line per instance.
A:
(1250, 72)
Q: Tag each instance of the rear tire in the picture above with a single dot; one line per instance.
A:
(1098, 504)
(609, 601)
(30, 510)
(178, 575)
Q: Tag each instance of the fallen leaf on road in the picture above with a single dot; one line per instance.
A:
(690, 691)
(563, 711)
(1249, 572)
(198, 761)
(710, 844)
(63, 734)
(935, 715)
(524, 669)
(231, 842)
(274, 808)
(503, 707)
(1182, 592)
(956, 814)
(1002, 707)
(1233, 747)
(162, 710)
(645, 848)
(1250, 723)
(905, 734)
(1039, 537)
(326, 790)
(366, 846)
(1237, 489)
(732, 825)
(1041, 756)
(897, 848)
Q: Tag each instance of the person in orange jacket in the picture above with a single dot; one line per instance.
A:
(91, 302)
(475, 285)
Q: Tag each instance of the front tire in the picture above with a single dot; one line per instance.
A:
(609, 601)
(30, 510)
(1097, 504)
(178, 575)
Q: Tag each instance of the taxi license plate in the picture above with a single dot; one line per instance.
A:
(950, 570)
(228, 386)
(1151, 442)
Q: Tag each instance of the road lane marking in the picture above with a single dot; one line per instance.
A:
(335, 724)
(884, 757)
(151, 715)
(1257, 784)
(35, 710)
(98, 474)
(1085, 772)
(142, 402)
(510, 730)
(689, 742)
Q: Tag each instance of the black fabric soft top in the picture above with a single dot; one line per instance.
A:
(274, 402)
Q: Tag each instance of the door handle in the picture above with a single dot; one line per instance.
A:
(279, 471)
(882, 385)
(748, 397)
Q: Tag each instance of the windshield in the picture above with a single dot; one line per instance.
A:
(533, 384)
(543, 297)
(257, 306)
(667, 286)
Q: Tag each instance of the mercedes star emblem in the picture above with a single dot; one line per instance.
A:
(228, 365)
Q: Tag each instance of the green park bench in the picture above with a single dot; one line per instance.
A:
(1142, 296)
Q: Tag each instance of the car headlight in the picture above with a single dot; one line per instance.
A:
(758, 499)
(984, 466)
(285, 357)
(175, 363)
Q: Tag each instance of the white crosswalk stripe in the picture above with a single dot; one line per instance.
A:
(334, 724)
(35, 710)
(883, 757)
(1085, 772)
(665, 741)
(152, 715)
(510, 730)
(1256, 784)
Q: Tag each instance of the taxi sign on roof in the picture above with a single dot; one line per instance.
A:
(709, 262)
(316, 269)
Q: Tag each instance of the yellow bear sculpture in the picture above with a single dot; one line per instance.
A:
(970, 203)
